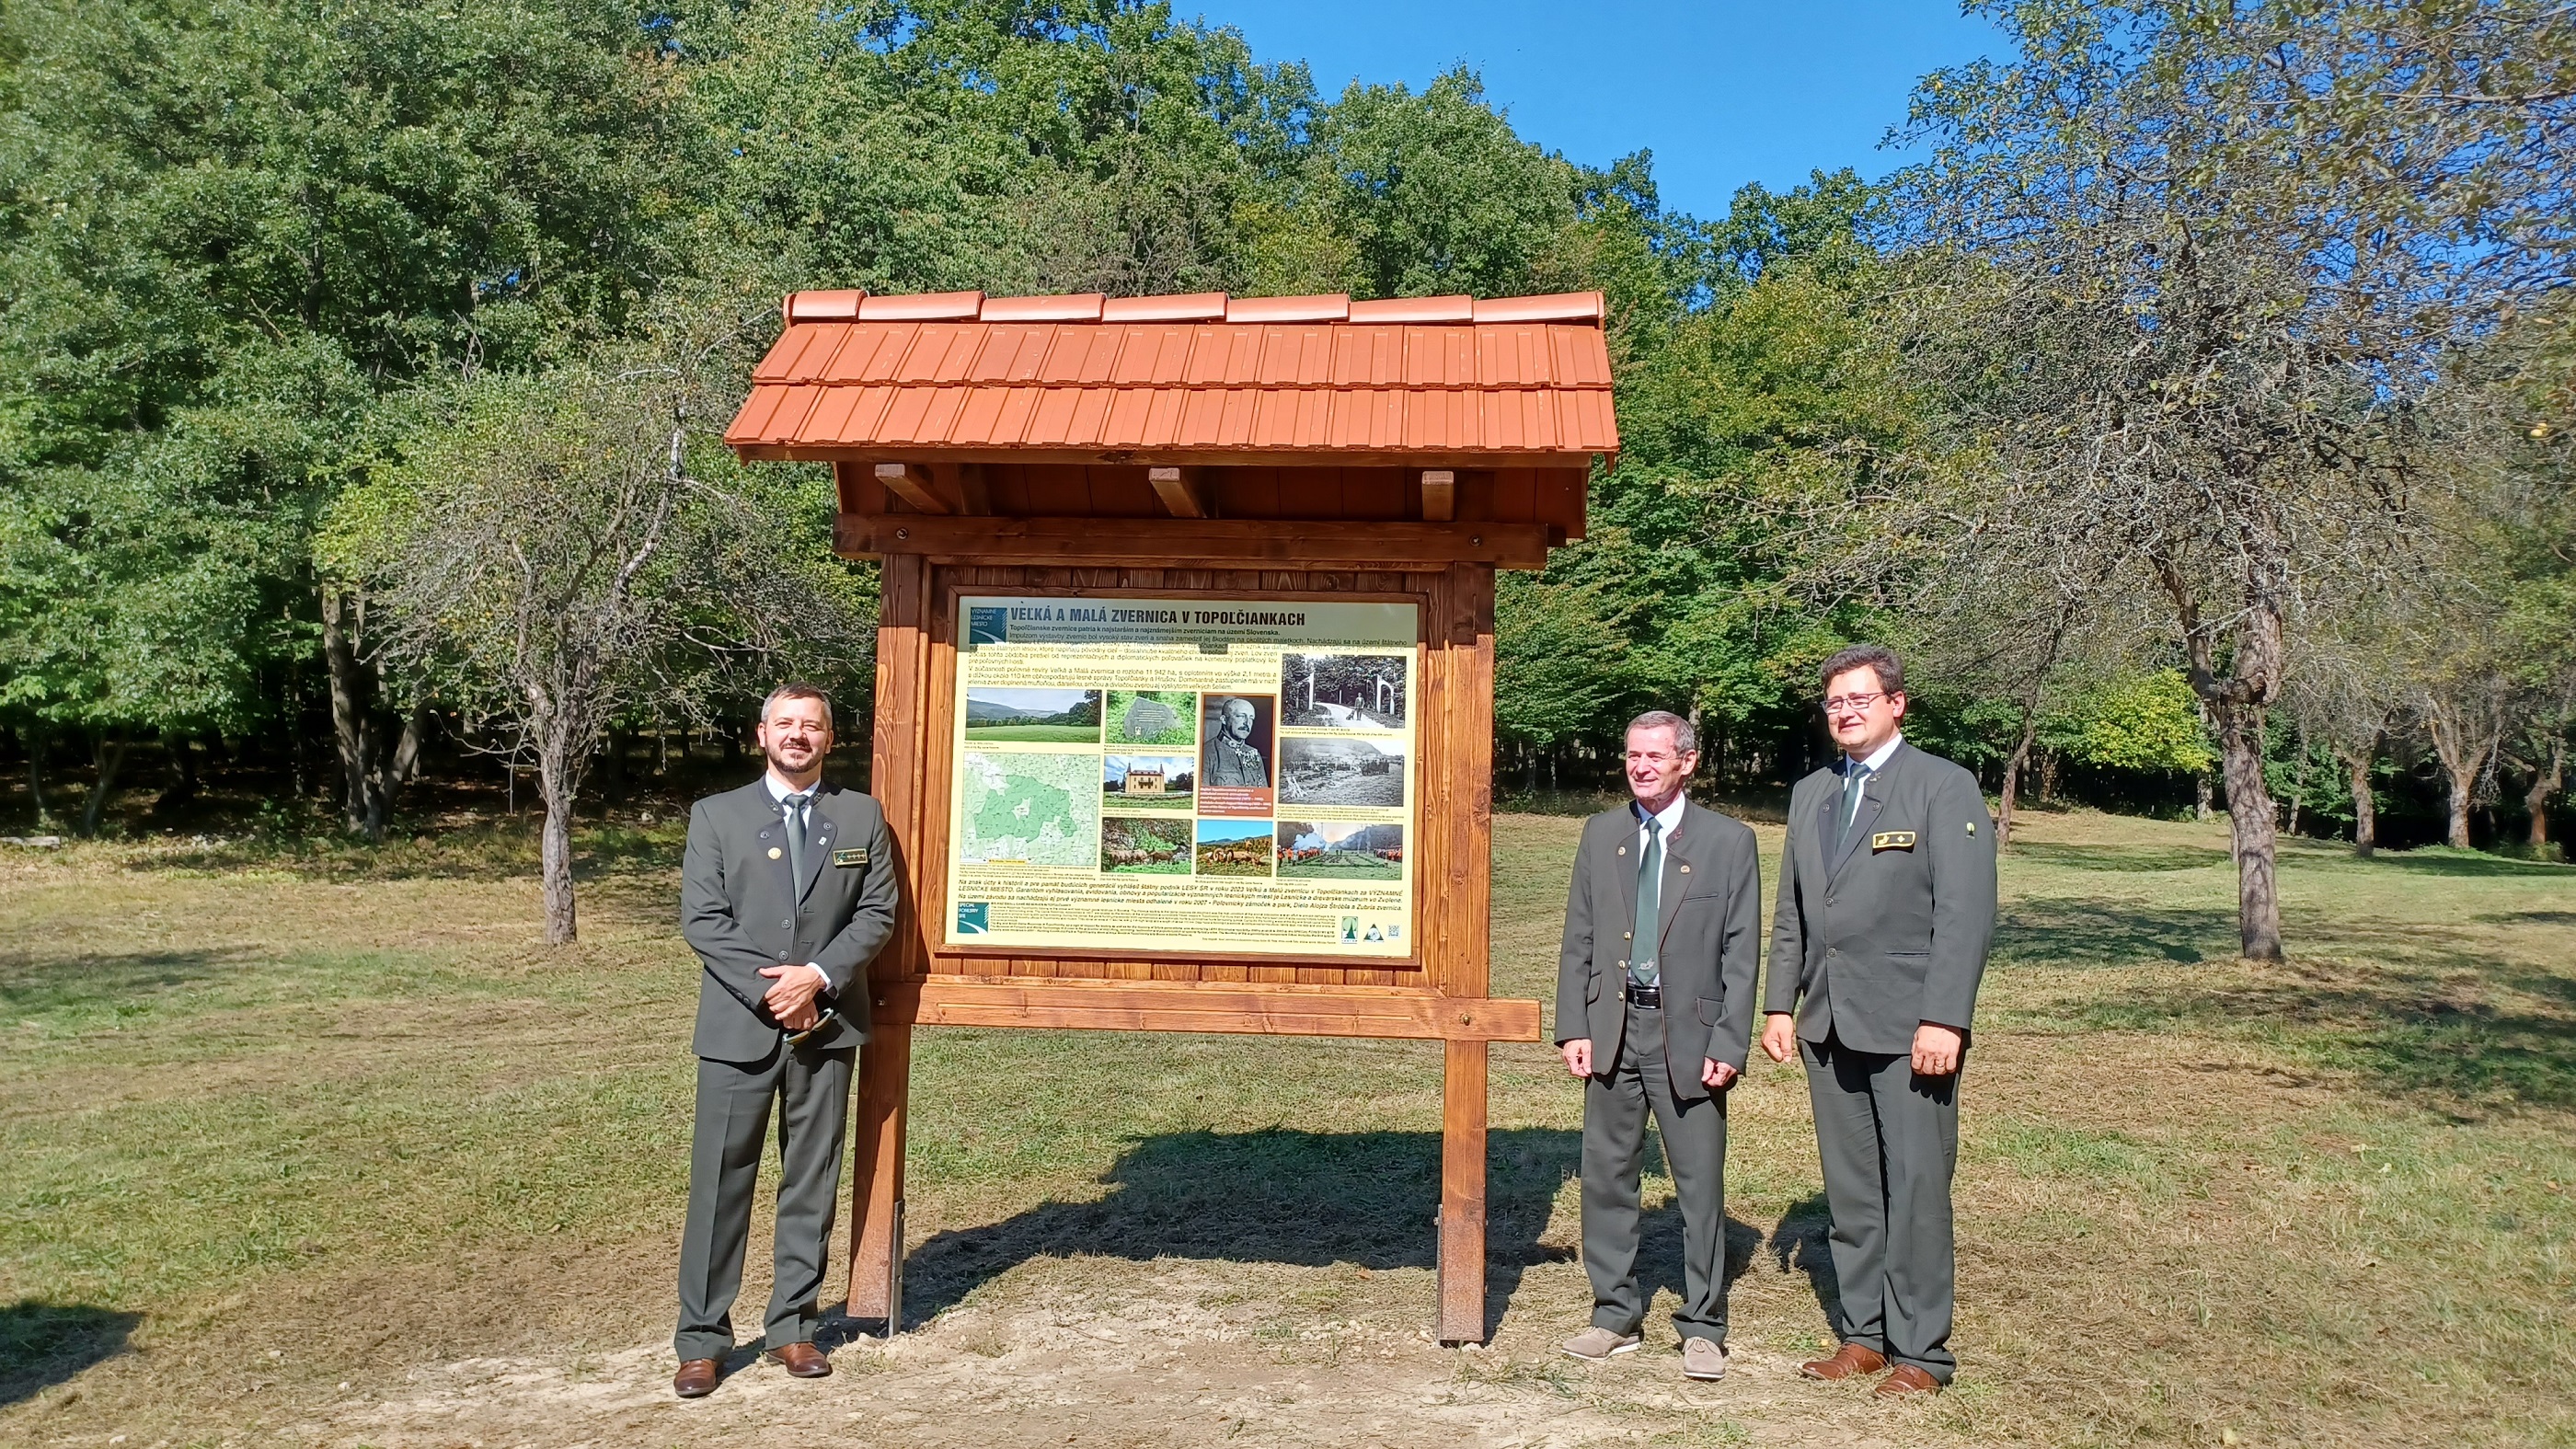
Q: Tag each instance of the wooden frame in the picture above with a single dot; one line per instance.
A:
(1447, 569)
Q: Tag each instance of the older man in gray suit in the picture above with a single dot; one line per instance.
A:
(1887, 905)
(787, 892)
(1654, 1012)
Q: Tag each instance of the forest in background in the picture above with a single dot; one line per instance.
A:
(2195, 418)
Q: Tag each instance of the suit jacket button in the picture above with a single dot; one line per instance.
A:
(787, 923)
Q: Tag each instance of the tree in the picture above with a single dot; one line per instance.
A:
(562, 547)
(2195, 264)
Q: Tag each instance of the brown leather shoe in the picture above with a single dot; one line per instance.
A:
(697, 1378)
(1907, 1379)
(803, 1360)
(1849, 1361)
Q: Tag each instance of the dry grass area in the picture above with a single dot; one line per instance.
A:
(319, 1146)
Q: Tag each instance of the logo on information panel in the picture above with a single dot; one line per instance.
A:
(974, 918)
(987, 626)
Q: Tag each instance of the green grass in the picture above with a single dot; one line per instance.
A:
(1171, 867)
(1035, 733)
(342, 1102)
(1133, 804)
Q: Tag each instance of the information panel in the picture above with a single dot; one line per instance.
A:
(1184, 775)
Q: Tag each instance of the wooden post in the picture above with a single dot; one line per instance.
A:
(876, 1180)
(1462, 1192)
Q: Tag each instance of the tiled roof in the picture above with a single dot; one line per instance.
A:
(1203, 375)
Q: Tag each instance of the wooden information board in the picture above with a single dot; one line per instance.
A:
(1187, 611)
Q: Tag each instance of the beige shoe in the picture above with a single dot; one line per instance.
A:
(1703, 1360)
(1596, 1345)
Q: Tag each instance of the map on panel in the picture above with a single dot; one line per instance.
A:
(1037, 808)
(1185, 775)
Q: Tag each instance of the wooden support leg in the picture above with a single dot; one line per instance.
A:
(1462, 1193)
(876, 1184)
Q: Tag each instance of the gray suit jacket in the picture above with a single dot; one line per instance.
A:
(1892, 931)
(741, 911)
(1709, 942)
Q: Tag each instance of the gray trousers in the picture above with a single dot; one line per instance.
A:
(1890, 1141)
(1615, 1103)
(734, 1100)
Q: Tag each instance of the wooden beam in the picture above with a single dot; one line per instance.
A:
(972, 490)
(911, 483)
(1192, 542)
(1267, 1009)
(1439, 495)
(1462, 1193)
(1183, 492)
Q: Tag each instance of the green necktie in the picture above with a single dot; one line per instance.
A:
(1650, 890)
(795, 807)
(1854, 773)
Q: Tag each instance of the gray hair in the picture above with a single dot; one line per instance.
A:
(1685, 739)
(797, 689)
(1878, 659)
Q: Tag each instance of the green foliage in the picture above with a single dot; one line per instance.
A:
(2143, 722)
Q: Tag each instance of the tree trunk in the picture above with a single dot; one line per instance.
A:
(2365, 810)
(353, 732)
(36, 775)
(2463, 783)
(108, 756)
(2251, 833)
(557, 779)
(2012, 778)
(2200, 796)
(182, 789)
(2543, 785)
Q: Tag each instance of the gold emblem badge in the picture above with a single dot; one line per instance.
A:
(775, 852)
(850, 857)
(1892, 840)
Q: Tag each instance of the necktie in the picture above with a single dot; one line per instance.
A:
(795, 810)
(1650, 890)
(1854, 775)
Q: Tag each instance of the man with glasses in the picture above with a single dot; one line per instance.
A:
(787, 892)
(1887, 904)
(1654, 1012)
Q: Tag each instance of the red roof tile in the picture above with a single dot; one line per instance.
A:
(1200, 374)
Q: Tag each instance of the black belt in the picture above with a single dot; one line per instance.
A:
(1641, 995)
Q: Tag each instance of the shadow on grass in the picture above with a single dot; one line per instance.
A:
(2445, 860)
(487, 851)
(44, 1344)
(2061, 933)
(2137, 858)
(31, 986)
(2399, 1031)
(1306, 1199)
(1800, 1243)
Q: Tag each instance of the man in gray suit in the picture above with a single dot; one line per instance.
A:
(1887, 905)
(1654, 1012)
(787, 891)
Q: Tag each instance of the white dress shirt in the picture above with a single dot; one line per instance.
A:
(1667, 820)
(779, 790)
(1876, 761)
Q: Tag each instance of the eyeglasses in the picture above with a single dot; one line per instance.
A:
(1841, 702)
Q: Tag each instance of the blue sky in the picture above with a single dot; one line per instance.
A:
(1722, 91)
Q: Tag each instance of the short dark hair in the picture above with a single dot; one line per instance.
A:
(1685, 739)
(1876, 658)
(798, 689)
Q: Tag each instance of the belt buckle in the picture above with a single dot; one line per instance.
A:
(1642, 995)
